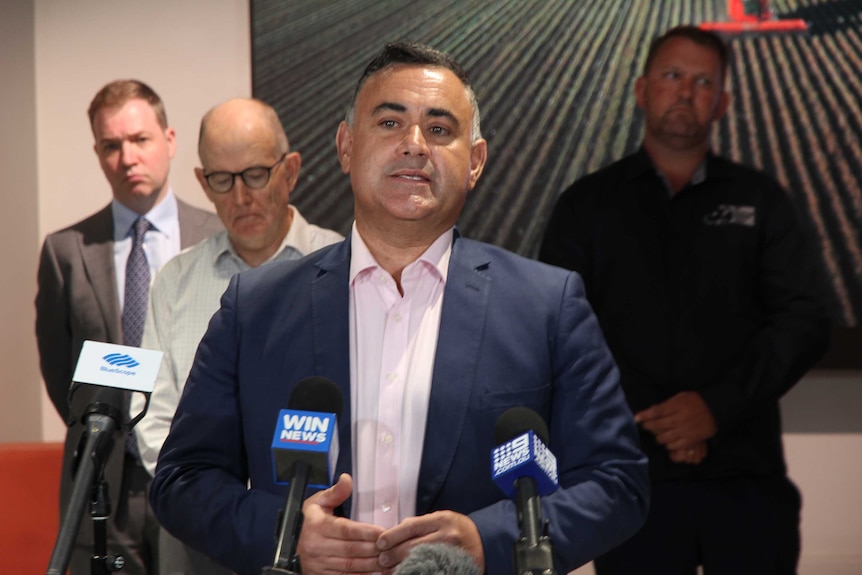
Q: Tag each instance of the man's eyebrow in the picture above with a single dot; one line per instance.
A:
(390, 106)
(142, 133)
(443, 113)
(432, 112)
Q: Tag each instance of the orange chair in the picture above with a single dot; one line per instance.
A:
(29, 505)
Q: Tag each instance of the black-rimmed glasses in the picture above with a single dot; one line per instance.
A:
(255, 177)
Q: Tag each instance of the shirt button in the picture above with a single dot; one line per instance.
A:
(397, 317)
(391, 376)
(387, 438)
(386, 508)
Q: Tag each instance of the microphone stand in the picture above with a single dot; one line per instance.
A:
(89, 480)
(533, 553)
(101, 420)
(286, 560)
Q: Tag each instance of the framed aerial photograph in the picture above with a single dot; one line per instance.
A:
(555, 81)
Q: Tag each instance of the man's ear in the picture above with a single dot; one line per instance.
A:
(171, 138)
(344, 145)
(199, 174)
(292, 165)
(478, 157)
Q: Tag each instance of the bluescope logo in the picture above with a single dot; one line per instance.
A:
(120, 363)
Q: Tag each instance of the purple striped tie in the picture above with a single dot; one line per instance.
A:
(135, 304)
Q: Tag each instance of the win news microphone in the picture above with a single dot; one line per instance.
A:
(102, 418)
(304, 451)
(524, 468)
(437, 559)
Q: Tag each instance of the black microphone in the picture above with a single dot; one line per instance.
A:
(102, 418)
(305, 449)
(437, 559)
(524, 468)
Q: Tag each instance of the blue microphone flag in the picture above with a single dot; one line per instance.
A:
(524, 456)
(309, 436)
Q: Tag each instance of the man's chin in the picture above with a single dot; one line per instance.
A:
(140, 190)
(683, 142)
(684, 134)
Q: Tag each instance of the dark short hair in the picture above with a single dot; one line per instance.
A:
(118, 92)
(411, 53)
(698, 36)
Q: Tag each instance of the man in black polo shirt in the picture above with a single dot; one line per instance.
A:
(710, 297)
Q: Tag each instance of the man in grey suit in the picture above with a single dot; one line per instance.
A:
(82, 291)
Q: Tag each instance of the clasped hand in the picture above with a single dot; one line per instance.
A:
(682, 424)
(331, 544)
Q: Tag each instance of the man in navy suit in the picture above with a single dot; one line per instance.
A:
(430, 337)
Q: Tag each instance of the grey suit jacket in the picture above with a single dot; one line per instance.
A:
(77, 300)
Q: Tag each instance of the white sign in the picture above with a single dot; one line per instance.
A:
(119, 366)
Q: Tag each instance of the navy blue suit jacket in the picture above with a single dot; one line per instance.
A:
(512, 332)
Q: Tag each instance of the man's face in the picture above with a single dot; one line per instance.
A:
(409, 152)
(681, 94)
(135, 153)
(256, 220)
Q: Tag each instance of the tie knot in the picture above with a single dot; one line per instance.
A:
(141, 227)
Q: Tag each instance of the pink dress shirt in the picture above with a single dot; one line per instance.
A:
(393, 341)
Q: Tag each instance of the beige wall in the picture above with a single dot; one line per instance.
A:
(55, 54)
(20, 394)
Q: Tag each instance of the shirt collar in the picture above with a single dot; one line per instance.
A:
(163, 216)
(295, 240)
(642, 164)
(436, 257)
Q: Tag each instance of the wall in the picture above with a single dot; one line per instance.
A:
(822, 442)
(55, 54)
(19, 227)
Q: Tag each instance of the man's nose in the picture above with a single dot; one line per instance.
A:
(240, 192)
(686, 87)
(128, 154)
(414, 142)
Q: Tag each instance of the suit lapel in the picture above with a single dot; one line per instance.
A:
(462, 322)
(330, 303)
(97, 254)
(195, 225)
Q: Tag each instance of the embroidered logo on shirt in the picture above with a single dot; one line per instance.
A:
(726, 215)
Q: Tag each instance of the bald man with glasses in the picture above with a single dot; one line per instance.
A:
(248, 172)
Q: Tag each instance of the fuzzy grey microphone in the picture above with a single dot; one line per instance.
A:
(437, 559)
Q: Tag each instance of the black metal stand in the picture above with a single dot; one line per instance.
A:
(100, 510)
(102, 420)
(90, 473)
(533, 552)
(286, 560)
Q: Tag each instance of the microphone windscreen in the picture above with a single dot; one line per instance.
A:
(437, 559)
(317, 393)
(518, 420)
(108, 401)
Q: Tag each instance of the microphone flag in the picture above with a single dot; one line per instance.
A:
(309, 436)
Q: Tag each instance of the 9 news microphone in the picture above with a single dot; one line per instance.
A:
(304, 451)
(437, 559)
(102, 418)
(524, 468)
